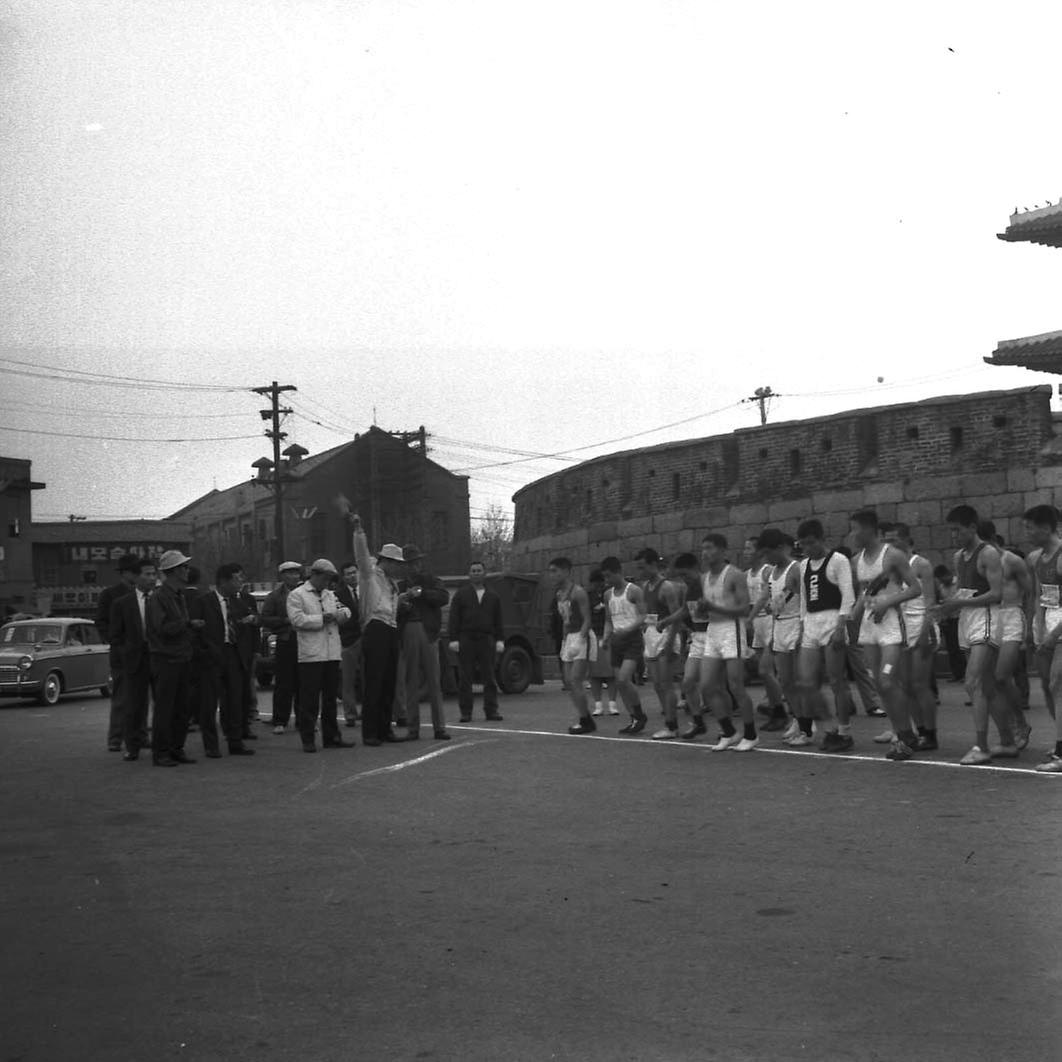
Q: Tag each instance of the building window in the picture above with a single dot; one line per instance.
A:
(676, 486)
(912, 432)
(794, 462)
(604, 484)
(589, 499)
(731, 461)
(999, 422)
(318, 535)
(89, 575)
(14, 529)
(704, 466)
(440, 528)
(245, 535)
(867, 440)
(827, 444)
(763, 453)
(652, 473)
(262, 530)
(956, 439)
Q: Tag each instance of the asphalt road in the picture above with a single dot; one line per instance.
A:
(523, 896)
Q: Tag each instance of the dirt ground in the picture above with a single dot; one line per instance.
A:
(523, 894)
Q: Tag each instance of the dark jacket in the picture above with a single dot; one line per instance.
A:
(211, 638)
(108, 596)
(169, 634)
(427, 608)
(470, 616)
(274, 615)
(350, 631)
(249, 636)
(128, 636)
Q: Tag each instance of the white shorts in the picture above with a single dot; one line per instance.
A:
(1046, 621)
(576, 647)
(1011, 624)
(655, 641)
(914, 624)
(761, 632)
(725, 640)
(785, 634)
(890, 631)
(698, 645)
(978, 626)
(819, 628)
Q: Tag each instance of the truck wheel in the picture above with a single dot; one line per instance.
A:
(52, 688)
(514, 669)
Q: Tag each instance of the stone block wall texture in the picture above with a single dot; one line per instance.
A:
(910, 462)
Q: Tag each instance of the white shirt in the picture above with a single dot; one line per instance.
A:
(141, 600)
(224, 614)
(479, 594)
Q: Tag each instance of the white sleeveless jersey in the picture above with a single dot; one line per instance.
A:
(714, 589)
(914, 606)
(757, 580)
(783, 606)
(622, 610)
(868, 571)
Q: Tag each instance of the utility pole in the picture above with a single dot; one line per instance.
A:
(762, 396)
(278, 478)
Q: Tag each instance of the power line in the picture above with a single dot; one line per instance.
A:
(38, 371)
(19, 406)
(125, 438)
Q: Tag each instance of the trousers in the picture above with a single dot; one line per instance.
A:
(379, 662)
(318, 691)
(422, 675)
(476, 652)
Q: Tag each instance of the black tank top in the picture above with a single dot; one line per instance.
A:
(694, 592)
(969, 577)
(821, 593)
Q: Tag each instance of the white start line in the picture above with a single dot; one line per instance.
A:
(802, 753)
(391, 768)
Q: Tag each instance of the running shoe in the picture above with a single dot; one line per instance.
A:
(791, 731)
(1021, 736)
(977, 757)
(666, 734)
(278, 729)
(886, 737)
(629, 728)
(696, 728)
(745, 745)
(612, 709)
(800, 740)
(598, 710)
(1053, 765)
(584, 726)
(639, 724)
(778, 722)
(1004, 752)
(877, 712)
(899, 752)
(845, 743)
(725, 742)
(830, 741)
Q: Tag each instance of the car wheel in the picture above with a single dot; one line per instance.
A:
(514, 670)
(52, 688)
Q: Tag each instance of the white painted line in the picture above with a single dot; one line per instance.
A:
(391, 768)
(834, 757)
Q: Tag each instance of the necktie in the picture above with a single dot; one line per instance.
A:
(230, 622)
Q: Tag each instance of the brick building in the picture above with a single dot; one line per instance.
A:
(73, 562)
(400, 493)
(16, 535)
(910, 462)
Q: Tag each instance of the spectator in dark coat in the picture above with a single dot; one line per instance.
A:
(127, 564)
(128, 634)
(274, 619)
(476, 635)
(420, 644)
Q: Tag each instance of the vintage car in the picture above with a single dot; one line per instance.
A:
(45, 658)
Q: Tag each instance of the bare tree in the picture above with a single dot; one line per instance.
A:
(492, 539)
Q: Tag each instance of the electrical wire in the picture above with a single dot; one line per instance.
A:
(36, 370)
(126, 438)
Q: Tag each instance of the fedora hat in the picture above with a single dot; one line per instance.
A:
(391, 552)
(411, 552)
(172, 558)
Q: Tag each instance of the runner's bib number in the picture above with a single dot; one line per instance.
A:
(964, 593)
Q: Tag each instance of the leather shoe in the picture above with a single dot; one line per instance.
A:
(441, 735)
(307, 746)
(182, 757)
(133, 754)
(165, 761)
(372, 742)
(212, 754)
(466, 719)
(495, 718)
(413, 735)
(340, 744)
(392, 738)
(239, 750)
(250, 737)
(114, 746)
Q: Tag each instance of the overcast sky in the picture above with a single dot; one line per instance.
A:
(529, 227)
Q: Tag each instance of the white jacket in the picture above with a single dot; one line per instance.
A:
(318, 641)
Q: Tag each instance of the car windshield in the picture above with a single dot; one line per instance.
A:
(32, 634)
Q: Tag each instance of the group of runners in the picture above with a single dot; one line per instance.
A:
(798, 605)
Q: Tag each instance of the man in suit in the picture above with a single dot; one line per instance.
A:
(247, 629)
(274, 618)
(126, 578)
(350, 641)
(127, 629)
(170, 630)
(476, 634)
(225, 662)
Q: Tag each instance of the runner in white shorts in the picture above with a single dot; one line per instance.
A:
(1011, 637)
(757, 574)
(725, 605)
(580, 643)
(979, 575)
(687, 578)
(661, 598)
(884, 582)
(1045, 564)
(783, 591)
(922, 640)
(826, 602)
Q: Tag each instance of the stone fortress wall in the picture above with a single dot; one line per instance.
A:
(995, 450)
